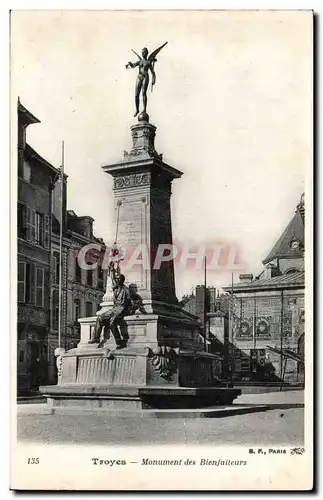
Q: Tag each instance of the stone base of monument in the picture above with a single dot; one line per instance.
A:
(151, 373)
(102, 397)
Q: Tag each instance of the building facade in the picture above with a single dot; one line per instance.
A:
(268, 319)
(82, 289)
(268, 312)
(36, 179)
(41, 208)
(262, 319)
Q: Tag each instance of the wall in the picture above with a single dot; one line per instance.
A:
(281, 318)
(71, 290)
(252, 309)
(285, 264)
(33, 318)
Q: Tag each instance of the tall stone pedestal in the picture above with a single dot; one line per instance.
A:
(142, 191)
(164, 365)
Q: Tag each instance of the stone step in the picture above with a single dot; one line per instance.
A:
(211, 412)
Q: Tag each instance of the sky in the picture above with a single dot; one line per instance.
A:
(232, 105)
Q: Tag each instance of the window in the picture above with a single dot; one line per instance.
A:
(39, 229)
(291, 270)
(89, 260)
(77, 306)
(89, 277)
(26, 171)
(45, 351)
(21, 134)
(20, 163)
(55, 310)
(88, 309)
(30, 273)
(39, 287)
(294, 244)
(55, 268)
(21, 281)
(21, 220)
(100, 278)
(78, 272)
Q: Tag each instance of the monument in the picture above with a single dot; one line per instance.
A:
(151, 357)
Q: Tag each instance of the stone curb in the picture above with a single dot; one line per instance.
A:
(34, 400)
(215, 412)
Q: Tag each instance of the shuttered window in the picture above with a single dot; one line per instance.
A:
(21, 220)
(46, 232)
(55, 314)
(30, 283)
(88, 309)
(34, 226)
(39, 229)
(30, 224)
(55, 268)
(77, 307)
(39, 287)
(78, 272)
(21, 282)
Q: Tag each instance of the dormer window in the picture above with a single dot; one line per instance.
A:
(294, 245)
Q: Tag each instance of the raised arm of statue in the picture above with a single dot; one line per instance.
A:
(130, 64)
(115, 275)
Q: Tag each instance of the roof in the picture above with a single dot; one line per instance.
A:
(25, 114)
(68, 233)
(32, 153)
(72, 215)
(294, 230)
(295, 279)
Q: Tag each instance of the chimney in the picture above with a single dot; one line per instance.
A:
(246, 278)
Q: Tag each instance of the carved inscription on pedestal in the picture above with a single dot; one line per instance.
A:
(131, 180)
(132, 222)
(132, 234)
(137, 330)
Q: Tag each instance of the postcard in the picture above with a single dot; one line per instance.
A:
(161, 267)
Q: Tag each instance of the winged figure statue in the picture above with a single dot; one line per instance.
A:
(145, 64)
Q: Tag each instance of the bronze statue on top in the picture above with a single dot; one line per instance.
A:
(146, 63)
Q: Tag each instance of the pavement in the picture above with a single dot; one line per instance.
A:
(268, 419)
(278, 398)
(273, 427)
(246, 403)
